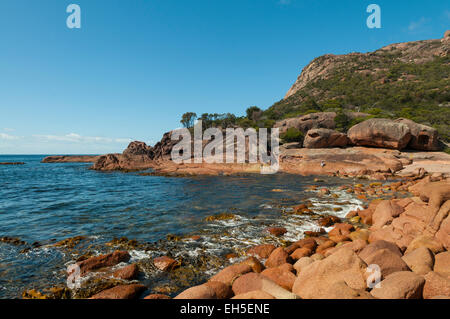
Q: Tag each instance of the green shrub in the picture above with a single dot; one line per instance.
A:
(292, 135)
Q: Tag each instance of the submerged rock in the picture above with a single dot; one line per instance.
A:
(165, 263)
(101, 261)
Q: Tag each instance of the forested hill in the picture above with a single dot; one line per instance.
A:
(408, 80)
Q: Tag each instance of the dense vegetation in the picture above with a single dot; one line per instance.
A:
(420, 92)
(380, 84)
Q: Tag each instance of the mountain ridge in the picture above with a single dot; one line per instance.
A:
(408, 80)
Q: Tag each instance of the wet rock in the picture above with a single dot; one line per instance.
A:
(173, 237)
(129, 272)
(157, 296)
(221, 216)
(165, 263)
(324, 246)
(126, 244)
(310, 233)
(278, 257)
(231, 256)
(94, 285)
(34, 294)
(442, 264)
(261, 251)
(12, 241)
(420, 260)
(340, 232)
(254, 282)
(400, 285)
(309, 243)
(101, 261)
(229, 274)
(301, 252)
(328, 221)
(198, 292)
(314, 280)
(276, 231)
(436, 285)
(121, 292)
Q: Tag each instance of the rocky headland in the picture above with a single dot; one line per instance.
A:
(375, 148)
(401, 237)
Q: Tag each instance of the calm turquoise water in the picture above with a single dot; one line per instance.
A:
(49, 202)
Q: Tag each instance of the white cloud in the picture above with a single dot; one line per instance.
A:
(77, 138)
(417, 25)
(7, 129)
(5, 136)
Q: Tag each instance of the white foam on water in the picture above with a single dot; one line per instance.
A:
(137, 255)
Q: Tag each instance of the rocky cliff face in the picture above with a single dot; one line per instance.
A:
(418, 52)
(403, 80)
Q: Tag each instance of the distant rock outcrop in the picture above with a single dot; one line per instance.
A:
(70, 159)
(163, 148)
(306, 122)
(138, 148)
(136, 156)
(419, 52)
(323, 138)
(383, 133)
(423, 138)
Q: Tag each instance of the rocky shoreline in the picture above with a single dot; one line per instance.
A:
(375, 149)
(403, 231)
(406, 237)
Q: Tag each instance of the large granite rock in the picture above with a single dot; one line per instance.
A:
(323, 138)
(423, 138)
(316, 280)
(138, 148)
(306, 122)
(383, 133)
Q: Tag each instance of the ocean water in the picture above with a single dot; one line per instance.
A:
(46, 203)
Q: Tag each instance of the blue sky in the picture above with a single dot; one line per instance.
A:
(136, 65)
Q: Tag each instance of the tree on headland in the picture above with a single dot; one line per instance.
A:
(253, 113)
(188, 119)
